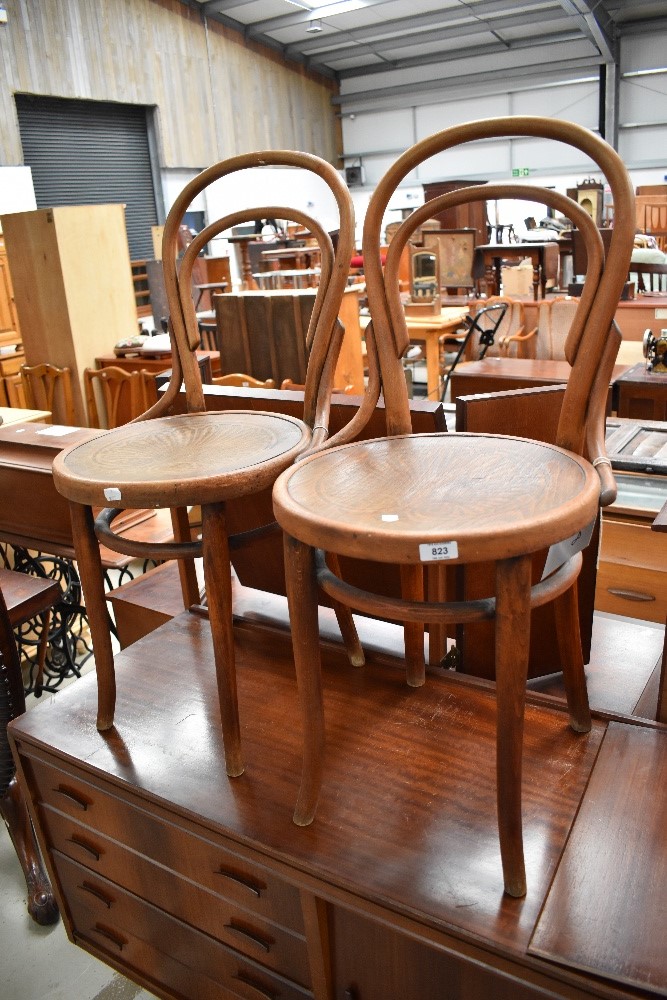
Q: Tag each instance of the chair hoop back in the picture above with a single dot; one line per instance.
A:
(183, 323)
(600, 303)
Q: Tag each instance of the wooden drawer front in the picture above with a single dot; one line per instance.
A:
(238, 928)
(632, 572)
(633, 545)
(213, 864)
(632, 591)
(115, 920)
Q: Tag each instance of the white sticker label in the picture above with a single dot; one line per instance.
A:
(57, 430)
(112, 493)
(562, 551)
(435, 551)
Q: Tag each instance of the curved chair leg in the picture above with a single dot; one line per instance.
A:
(348, 629)
(92, 582)
(513, 579)
(302, 602)
(218, 581)
(42, 906)
(412, 589)
(566, 611)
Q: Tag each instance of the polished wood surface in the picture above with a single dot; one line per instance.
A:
(600, 874)
(403, 856)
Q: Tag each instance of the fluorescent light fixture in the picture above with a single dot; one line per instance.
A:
(314, 25)
(325, 8)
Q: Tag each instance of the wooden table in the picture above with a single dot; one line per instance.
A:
(198, 886)
(430, 330)
(493, 254)
(498, 374)
(642, 394)
(18, 415)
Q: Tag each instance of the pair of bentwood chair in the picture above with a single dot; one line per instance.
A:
(428, 501)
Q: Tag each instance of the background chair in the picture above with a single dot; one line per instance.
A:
(247, 381)
(205, 458)
(123, 395)
(47, 387)
(554, 321)
(463, 498)
(22, 597)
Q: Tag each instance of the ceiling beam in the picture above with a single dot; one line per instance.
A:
(474, 53)
(449, 16)
(596, 24)
(366, 99)
(401, 33)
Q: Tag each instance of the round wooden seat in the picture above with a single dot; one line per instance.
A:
(494, 497)
(193, 458)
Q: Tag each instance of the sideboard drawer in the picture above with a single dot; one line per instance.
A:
(213, 864)
(632, 571)
(114, 919)
(240, 929)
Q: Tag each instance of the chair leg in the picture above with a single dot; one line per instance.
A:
(513, 579)
(437, 632)
(91, 574)
(218, 581)
(348, 629)
(566, 611)
(412, 589)
(42, 906)
(302, 602)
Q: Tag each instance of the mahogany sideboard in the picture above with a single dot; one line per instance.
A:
(197, 886)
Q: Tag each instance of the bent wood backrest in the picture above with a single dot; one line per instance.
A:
(324, 333)
(591, 346)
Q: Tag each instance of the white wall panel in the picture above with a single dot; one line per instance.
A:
(434, 117)
(378, 130)
(477, 161)
(643, 99)
(648, 145)
(645, 51)
(576, 102)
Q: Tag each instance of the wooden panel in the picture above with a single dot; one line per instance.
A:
(605, 911)
(73, 287)
(267, 104)
(9, 321)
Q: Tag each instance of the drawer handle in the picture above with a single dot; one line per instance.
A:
(253, 936)
(260, 988)
(254, 887)
(97, 893)
(72, 797)
(630, 595)
(85, 846)
(110, 935)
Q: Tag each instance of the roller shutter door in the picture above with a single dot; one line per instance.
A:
(91, 152)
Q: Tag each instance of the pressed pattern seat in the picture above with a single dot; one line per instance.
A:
(176, 461)
(430, 501)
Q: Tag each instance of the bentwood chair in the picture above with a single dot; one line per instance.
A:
(462, 498)
(205, 458)
(22, 597)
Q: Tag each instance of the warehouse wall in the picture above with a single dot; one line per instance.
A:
(214, 94)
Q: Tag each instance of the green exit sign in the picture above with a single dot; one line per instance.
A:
(521, 172)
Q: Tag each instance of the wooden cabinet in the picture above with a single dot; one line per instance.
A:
(73, 286)
(9, 321)
(469, 216)
(200, 886)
